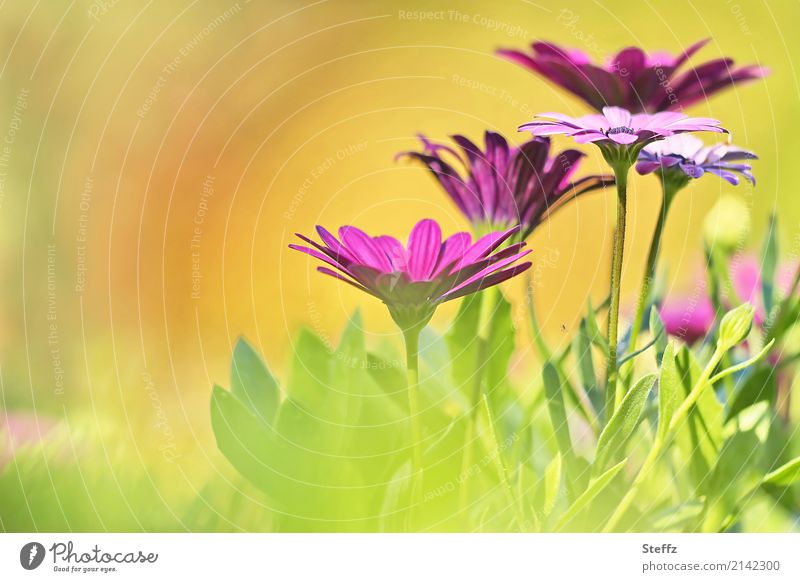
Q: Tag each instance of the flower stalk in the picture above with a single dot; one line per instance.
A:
(670, 189)
(411, 337)
(621, 159)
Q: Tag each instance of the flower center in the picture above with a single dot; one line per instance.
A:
(620, 129)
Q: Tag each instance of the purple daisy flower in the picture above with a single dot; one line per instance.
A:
(633, 79)
(618, 126)
(503, 185)
(686, 155)
(413, 280)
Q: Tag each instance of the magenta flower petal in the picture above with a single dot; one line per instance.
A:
(632, 79)
(413, 281)
(364, 249)
(424, 245)
(502, 185)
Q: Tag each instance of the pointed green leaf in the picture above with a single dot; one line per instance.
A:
(737, 461)
(785, 475)
(758, 386)
(244, 440)
(463, 341)
(552, 485)
(558, 413)
(769, 264)
(619, 429)
(659, 332)
(670, 391)
(700, 436)
(582, 349)
(310, 374)
(593, 329)
(500, 345)
(252, 383)
(596, 486)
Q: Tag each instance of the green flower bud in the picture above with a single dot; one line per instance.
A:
(727, 224)
(735, 326)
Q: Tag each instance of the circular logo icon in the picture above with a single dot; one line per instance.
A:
(31, 555)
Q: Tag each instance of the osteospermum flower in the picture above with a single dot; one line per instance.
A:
(633, 79)
(686, 155)
(413, 280)
(618, 126)
(502, 185)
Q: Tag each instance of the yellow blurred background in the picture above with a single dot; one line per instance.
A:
(159, 156)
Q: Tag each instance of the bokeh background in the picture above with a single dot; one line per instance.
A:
(157, 158)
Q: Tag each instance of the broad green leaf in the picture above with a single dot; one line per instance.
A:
(335, 442)
(244, 440)
(252, 383)
(310, 373)
(769, 264)
(620, 427)
(758, 386)
(596, 486)
(785, 475)
(670, 392)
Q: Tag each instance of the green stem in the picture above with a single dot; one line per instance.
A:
(662, 440)
(621, 175)
(411, 338)
(669, 191)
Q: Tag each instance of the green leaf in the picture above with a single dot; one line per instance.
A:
(769, 264)
(669, 390)
(785, 475)
(736, 462)
(552, 485)
(558, 414)
(758, 386)
(596, 486)
(244, 440)
(252, 383)
(620, 427)
(463, 341)
(679, 516)
(593, 329)
(500, 346)
(336, 440)
(659, 332)
(310, 373)
(700, 436)
(582, 348)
